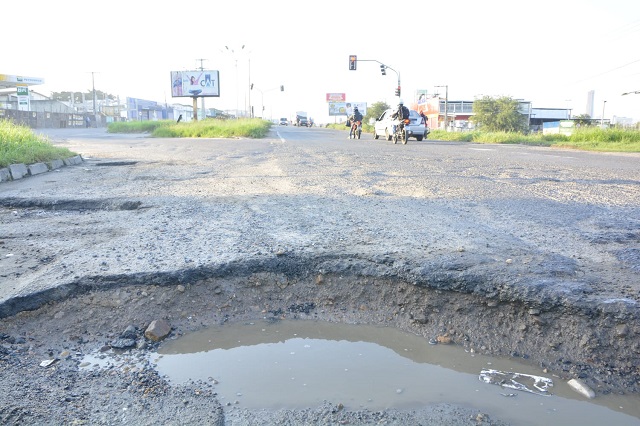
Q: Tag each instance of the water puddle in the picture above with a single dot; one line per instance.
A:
(294, 364)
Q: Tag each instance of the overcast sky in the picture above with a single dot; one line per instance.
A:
(549, 52)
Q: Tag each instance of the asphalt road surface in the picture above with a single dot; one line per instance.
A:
(312, 191)
(505, 249)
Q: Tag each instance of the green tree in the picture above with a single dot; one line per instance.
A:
(375, 111)
(582, 120)
(499, 115)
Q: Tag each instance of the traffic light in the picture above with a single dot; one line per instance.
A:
(398, 91)
(383, 69)
(353, 62)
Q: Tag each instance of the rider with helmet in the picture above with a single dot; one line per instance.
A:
(354, 118)
(400, 114)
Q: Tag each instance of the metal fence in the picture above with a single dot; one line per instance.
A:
(42, 120)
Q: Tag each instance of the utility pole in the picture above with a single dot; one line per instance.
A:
(446, 106)
(93, 83)
(204, 112)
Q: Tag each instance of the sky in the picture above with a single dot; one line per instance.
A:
(551, 53)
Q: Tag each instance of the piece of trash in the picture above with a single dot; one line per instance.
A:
(509, 395)
(47, 362)
(518, 381)
(582, 388)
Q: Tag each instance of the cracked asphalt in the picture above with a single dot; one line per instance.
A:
(549, 237)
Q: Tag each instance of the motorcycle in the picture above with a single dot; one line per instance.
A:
(356, 128)
(399, 132)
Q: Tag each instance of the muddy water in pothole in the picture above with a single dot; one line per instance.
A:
(295, 364)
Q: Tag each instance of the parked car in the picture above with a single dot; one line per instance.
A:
(384, 126)
(283, 122)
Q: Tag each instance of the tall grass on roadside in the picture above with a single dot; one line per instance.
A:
(589, 139)
(19, 145)
(208, 128)
(605, 140)
(136, 126)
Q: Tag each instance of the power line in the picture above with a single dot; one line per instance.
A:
(607, 72)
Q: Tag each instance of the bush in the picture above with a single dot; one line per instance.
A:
(19, 145)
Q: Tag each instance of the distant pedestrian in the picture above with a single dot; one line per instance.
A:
(179, 118)
(87, 122)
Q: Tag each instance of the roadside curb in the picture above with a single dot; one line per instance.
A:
(19, 171)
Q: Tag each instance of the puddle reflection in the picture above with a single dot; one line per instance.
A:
(295, 364)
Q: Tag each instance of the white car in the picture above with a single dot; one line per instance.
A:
(283, 122)
(384, 126)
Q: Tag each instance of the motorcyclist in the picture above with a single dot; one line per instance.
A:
(400, 114)
(353, 118)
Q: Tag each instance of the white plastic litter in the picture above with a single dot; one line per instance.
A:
(518, 381)
(582, 388)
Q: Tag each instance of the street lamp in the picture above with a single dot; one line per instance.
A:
(233, 52)
(446, 106)
(602, 118)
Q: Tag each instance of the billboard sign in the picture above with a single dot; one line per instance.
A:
(346, 108)
(362, 107)
(421, 96)
(23, 97)
(198, 83)
(337, 108)
(336, 97)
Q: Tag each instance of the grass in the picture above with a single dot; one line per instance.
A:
(19, 145)
(586, 139)
(209, 128)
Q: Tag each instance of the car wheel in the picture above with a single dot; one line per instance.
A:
(375, 135)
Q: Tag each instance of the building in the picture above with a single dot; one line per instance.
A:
(458, 114)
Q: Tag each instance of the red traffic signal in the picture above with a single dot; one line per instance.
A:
(353, 62)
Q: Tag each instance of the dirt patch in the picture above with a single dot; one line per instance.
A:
(131, 392)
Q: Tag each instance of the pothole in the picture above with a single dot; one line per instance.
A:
(71, 205)
(293, 364)
(117, 163)
(361, 341)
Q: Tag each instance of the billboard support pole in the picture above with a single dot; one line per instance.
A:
(195, 108)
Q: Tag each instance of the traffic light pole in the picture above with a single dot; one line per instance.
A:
(386, 67)
(353, 60)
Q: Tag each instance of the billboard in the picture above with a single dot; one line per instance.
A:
(337, 108)
(336, 97)
(346, 108)
(198, 83)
